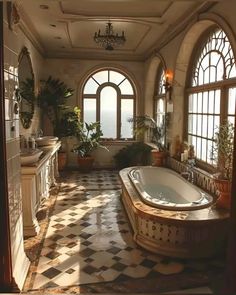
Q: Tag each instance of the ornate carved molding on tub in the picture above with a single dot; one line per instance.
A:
(184, 234)
(203, 179)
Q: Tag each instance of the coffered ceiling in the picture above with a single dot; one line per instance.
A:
(66, 28)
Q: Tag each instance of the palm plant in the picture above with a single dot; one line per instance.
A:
(52, 98)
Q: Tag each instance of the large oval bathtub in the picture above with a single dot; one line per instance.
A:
(166, 189)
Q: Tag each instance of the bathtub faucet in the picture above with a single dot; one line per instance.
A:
(189, 174)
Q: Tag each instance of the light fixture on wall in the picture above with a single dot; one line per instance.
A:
(168, 84)
(109, 39)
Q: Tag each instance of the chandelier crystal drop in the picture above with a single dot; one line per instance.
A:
(109, 40)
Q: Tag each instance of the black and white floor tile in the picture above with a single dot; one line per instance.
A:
(89, 239)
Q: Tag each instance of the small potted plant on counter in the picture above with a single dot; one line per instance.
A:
(89, 137)
(154, 134)
(222, 156)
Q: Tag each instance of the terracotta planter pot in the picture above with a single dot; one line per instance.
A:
(158, 158)
(62, 160)
(224, 188)
(85, 164)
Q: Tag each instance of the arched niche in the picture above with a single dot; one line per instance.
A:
(26, 88)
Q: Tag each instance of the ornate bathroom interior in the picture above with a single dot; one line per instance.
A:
(118, 166)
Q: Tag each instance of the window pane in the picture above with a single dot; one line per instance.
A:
(108, 112)
(211, 102)
(204, 125)
(217, 122)
(194, 124)
(232, 101)
(116, 77)
(190, 123)
(205, 102)
(89, 110)
(231, 119)
(101, 77)
(209, 151)
(90, 87)
(217, 101)
(199, 125)
(195, 103)
(127, 108)
(126, 87)
(199, 107)
(190, 103)
(162, 82)
(198, 149)
(210, 126)
(204, 150)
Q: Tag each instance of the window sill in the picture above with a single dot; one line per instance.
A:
(117, 142)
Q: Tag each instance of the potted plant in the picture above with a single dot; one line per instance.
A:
(135, 154)
(222, 156)
(52, 98)
(154, 134)
(89, 136)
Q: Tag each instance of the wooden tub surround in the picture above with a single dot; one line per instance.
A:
(183, 234)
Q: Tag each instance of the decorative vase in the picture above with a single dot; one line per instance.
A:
(158, 158)
(62, 159)
(85, 163)
(224, 189)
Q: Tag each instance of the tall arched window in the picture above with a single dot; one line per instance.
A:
(212, 95)
(109, 97)
(160, 99)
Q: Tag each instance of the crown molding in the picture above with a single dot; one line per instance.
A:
(28, 30)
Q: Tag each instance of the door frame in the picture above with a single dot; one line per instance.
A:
(6, 278)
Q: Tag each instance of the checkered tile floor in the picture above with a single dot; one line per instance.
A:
(89, 239)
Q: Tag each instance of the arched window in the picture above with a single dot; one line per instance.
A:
(160, 99)
(108, 97)
(212, 95)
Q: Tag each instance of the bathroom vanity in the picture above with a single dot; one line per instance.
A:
(36, 181)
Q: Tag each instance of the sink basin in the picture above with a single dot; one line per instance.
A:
(46, 140)
(30, 156)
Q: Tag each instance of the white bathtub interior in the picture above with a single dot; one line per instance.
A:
(164, 188)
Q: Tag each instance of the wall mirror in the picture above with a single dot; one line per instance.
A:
(26, 88)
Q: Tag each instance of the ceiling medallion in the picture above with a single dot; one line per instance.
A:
(109, 40)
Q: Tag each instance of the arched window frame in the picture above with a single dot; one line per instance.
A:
(221, 91)
(120, 98)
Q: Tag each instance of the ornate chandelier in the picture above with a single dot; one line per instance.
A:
(109, 40)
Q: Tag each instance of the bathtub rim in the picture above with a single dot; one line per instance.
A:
(169, 206)
(190, 218)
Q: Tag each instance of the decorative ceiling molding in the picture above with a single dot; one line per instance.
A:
(28, 30)
(179, 26)
(115, 13)
(160, 30)
(138, 42)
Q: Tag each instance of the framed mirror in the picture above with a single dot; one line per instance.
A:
(26, 88)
